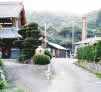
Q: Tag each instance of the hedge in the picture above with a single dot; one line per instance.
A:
(41, 59)
(48, 53)
(90, 52)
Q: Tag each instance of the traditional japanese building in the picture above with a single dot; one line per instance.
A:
(12, 17)
(57, 50)
(12, 14)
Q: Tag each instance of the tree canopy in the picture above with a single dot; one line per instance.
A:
(30, 39)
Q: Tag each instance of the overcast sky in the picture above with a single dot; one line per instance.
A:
(74, 6)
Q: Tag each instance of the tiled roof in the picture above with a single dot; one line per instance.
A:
(9, 33)
(89, 40)
(10, 9)
(57, 46)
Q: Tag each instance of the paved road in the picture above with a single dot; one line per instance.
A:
(70, 78)
(29, 77)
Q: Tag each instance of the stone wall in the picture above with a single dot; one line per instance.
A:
(92, 66)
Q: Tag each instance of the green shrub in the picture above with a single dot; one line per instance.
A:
(87, 53)
(48, 53)
(41, 59)
(90, 52)
(1, 64)
(3, 85)
(98, 74)
(21, 59)
(98, 51)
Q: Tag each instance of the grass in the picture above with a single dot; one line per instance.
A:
(19, 90)
(98, 74)
(13, 90)
(76, 63)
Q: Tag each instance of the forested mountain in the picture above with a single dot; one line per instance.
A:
(59, 25)
(57, 19)
(91, 19)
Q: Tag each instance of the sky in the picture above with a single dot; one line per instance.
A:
(73, 6)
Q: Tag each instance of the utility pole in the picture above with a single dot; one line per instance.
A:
(45, 35)
(72, 37)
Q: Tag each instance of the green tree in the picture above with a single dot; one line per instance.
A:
(30, 41)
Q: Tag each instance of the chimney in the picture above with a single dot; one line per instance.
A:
(84, 28)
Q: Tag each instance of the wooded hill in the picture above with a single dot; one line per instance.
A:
(59, 25)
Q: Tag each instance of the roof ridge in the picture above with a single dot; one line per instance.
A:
(10, 3)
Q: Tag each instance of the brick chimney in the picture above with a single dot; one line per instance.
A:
(84, 28)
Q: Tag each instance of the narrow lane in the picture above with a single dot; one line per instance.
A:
(70, 78)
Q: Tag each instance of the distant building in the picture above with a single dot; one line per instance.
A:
(12, 17)
(57, 50)
(91, 40)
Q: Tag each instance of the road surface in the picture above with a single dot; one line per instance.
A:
(70, 78)
(30, 78)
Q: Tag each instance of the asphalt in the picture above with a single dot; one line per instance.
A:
(70, 78)
(29, 78)
(67, 77)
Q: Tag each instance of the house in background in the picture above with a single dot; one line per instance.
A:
(91, 40)
(58, 50)
(12, 17)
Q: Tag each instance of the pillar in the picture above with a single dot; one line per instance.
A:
(84, 35)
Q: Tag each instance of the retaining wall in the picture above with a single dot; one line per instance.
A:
(92, 66)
